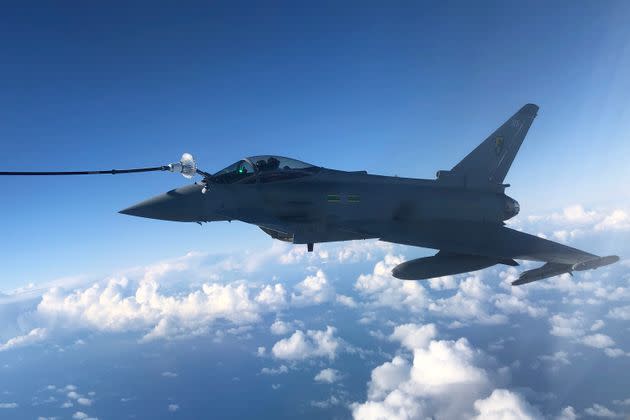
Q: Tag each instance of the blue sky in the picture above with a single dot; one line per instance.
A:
(402, 90)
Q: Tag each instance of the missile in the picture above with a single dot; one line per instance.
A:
(555, 269)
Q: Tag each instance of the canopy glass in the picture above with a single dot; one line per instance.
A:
(265, 168)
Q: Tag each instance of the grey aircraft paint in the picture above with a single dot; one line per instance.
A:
(460, 213)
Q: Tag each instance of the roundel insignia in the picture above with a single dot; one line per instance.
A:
(498, 145)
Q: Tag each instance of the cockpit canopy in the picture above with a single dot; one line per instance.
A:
(264, 168)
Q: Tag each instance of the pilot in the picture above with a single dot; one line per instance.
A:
(273, 163)
(261, 165)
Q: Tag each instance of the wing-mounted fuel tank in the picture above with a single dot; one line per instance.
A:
(444, 264)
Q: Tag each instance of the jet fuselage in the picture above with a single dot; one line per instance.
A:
(331, 205)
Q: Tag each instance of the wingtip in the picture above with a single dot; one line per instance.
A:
(596, 263)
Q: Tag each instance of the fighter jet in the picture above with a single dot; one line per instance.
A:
(461, 213)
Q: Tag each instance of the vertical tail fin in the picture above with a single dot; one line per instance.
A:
(491, 160)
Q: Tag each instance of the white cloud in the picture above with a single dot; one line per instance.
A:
(443, 283)
(355, 251)
(387, 377)
(565, 284)
(331, 401)
(558, 358)
(84, 401)
(617, 220)
(598, 410)
(273, 297)
(567, 413)
(274, 371)
(36, 335)
(298, 254)
(599, 341)
(414, 336)
(280, 327)
(347, 252)
(574, 215)
(168, 374)
(621, 312)
(469, 303)
(573, 327)
(9, 405)
(384, 290)
(119, 306)
(445, 363)
(328, 376)
(566, 326)
(173, 407)
(612, 293)
(444, 380)
(397, 405)
(313, 290)
(576, 220)
(346, 301)
(503, 404)
(513, 304)
(294, 347)
(312, 344)
(474, 301)
(577, 214)
(565, 235)
(294, 255)
(598, 325)
(615, 352)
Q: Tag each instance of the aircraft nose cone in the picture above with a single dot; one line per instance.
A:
(178, 205)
